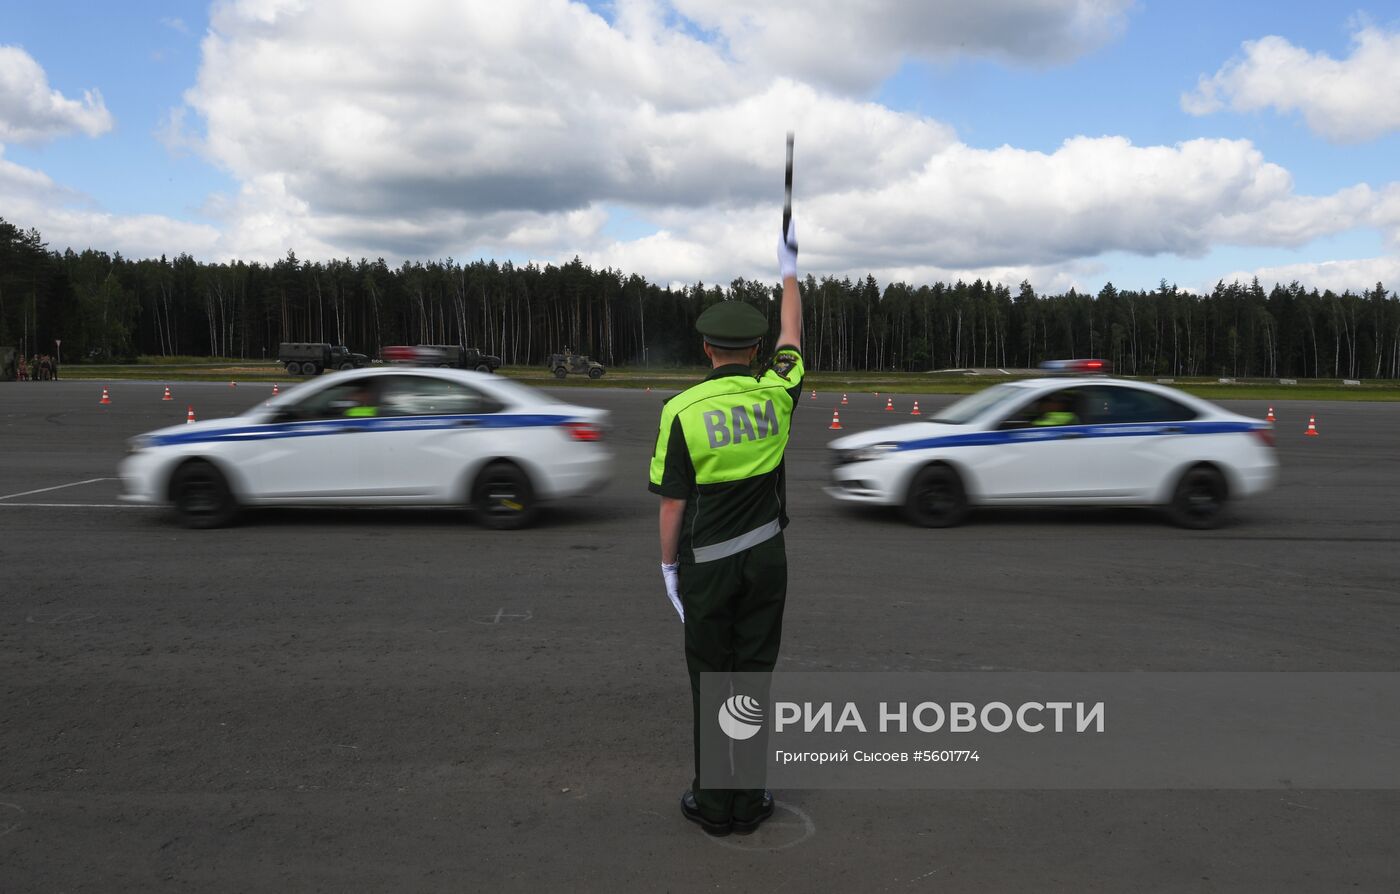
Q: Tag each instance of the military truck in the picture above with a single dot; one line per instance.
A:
(459, 357)
(9, 365)
(569, 362)
(313, 358)
(449, 356)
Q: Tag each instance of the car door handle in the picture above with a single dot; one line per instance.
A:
(1172, 430)
(1072, 434)
(468, 423)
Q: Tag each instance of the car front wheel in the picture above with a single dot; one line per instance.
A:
(595, 373)
(560, 372)
(1199, 500)
(201, 496)
(482, 368)
(503, 497)
(936, 498)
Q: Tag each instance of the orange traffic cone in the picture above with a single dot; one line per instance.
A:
(1270, 417)
(835, 421)
(105, 399)
(167, 394)
(889, 404)
(233, 384)
(843, 400)
(915, 411)
(814, 394)
(275, 391)
(1312, 427)
(189, 415)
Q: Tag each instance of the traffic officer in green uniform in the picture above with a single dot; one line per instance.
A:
(718, 468)
(1055, 411)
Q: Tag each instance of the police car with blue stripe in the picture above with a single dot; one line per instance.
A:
(1061, 442)
(396, 436)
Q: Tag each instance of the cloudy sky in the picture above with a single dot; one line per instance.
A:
(1068, 142)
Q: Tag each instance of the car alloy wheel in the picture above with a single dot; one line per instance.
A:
(503, 497)
(201, 496)
(936, 498)
(1200, 498)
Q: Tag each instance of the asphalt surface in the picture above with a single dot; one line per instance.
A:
(401, 700)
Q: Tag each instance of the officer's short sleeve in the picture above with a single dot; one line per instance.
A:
(788, 371)
(672, 471)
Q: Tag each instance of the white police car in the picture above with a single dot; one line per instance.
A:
(397, 436)
(1059, 441)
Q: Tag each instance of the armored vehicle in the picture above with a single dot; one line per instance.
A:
(569, 362)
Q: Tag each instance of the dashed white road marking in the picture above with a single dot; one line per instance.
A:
(44, 490)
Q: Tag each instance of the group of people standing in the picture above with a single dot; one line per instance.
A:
(39, 368)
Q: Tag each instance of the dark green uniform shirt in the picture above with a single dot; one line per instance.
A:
(720, 448)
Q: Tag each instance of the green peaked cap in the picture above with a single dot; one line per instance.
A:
(732, 324)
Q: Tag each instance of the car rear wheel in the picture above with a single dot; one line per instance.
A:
(201, 496)
(503, 497)
(936, 498)
(595, 373)
(293, 368)
(560, 372)
(1199, 500)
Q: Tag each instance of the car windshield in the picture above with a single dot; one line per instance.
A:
(974, 405)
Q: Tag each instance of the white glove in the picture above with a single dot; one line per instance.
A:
(787, 251)
(671, 574)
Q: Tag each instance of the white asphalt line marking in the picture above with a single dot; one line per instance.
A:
(80, 505)
(44, 490)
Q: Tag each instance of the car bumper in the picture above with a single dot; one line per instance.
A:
(138, 480)
(579, 476)
(1253, 480)
(862, 483)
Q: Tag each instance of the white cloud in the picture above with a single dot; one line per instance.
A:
(854, 45)
(31, 111)
(1358, 275)
(1008, 214)
(68, 219)
(515, 130)
(1346, 101)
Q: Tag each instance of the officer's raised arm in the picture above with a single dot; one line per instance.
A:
(790, 330)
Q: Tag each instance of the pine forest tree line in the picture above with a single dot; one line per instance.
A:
(107, 307)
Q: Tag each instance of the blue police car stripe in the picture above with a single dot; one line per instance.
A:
(1061, 432)
(282, 430)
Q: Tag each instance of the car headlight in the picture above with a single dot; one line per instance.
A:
(137, 444)
(874, 451)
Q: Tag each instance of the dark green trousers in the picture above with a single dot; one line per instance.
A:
(733, 623)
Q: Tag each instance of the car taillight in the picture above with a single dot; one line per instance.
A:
(584, 431)
(1265, 436)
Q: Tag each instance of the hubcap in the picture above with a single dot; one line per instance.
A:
(1201, 496)
(502, 495)
(200, 495)
(936, 499)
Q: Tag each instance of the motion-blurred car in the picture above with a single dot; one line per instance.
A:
(1057, 441)
(382, 437)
